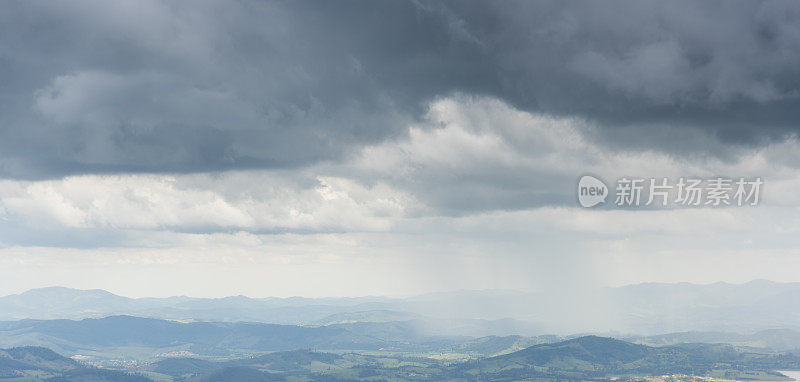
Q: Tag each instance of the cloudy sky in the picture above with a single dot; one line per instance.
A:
(317, 148)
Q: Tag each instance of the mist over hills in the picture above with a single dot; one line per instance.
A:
(67, 303)
(775, 339)
(645, 309)
(164, 350)
(128, 337)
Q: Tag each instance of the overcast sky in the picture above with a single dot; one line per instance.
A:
(318, 148)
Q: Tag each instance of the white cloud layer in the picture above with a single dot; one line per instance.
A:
(480, 191)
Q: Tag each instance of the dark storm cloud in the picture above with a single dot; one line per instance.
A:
(196, 86)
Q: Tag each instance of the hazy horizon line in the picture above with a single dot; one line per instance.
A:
(407, 296)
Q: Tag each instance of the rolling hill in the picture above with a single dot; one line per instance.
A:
(581, 358)
(122, 331)
(143, 338)
(592, 356)
(37, 363)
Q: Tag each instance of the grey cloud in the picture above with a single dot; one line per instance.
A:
(154, 86)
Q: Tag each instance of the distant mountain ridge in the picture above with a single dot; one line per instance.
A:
(647, 309)
(775, 339)
(121, 331)
(67, 303)
(113, 336)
